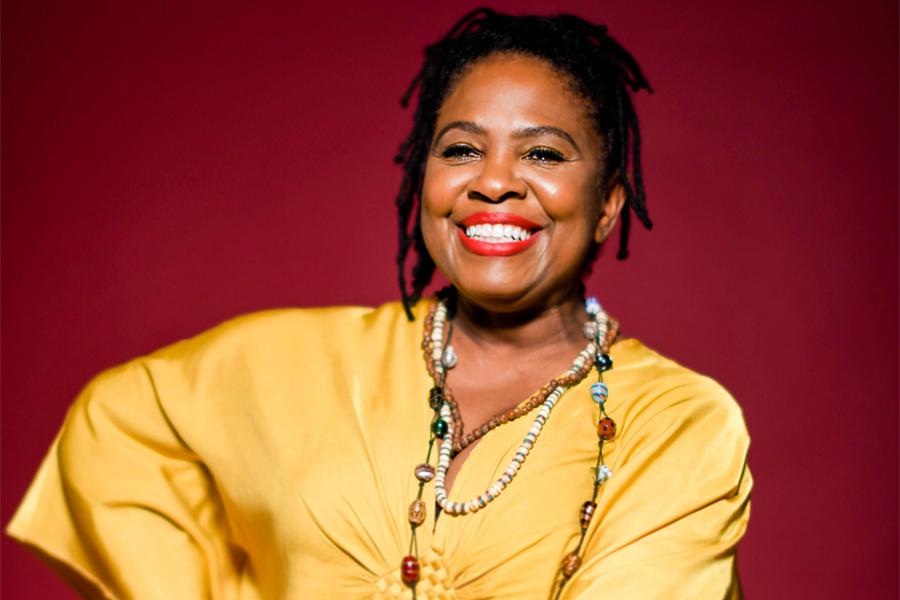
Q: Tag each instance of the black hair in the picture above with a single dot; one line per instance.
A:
(599, 69)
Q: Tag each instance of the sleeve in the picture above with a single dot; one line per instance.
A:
(669, 520)
(121, 508)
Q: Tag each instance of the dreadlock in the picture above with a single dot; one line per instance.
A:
(600, 70)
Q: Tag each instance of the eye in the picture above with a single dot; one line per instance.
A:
(545, 155)
(460, 153)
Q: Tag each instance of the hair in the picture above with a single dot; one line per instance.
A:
(597, 67)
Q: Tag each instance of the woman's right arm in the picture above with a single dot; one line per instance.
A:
(121, 507)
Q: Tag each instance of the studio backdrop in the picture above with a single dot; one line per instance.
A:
(169, 165)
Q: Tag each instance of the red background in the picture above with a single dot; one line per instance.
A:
(168, 165)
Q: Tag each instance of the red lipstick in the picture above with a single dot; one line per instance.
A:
(483, 248)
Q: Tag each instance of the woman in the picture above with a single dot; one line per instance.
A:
(318, 453)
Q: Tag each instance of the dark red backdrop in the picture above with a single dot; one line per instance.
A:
(169, 165)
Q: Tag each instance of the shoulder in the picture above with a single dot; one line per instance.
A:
(255, 366)
(313, 332)
(265, 347)
(662, 397)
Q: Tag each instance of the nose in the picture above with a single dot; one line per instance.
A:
(497, 181)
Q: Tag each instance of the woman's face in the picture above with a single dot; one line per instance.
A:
(510, 201)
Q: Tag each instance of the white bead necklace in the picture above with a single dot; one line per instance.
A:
(599, 320)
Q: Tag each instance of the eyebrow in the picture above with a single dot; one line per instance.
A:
(540, 130)
(537, 130)
(467, 126)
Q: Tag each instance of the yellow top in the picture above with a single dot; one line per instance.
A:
(273, 456)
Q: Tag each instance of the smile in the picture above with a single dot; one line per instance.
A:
(497, 234)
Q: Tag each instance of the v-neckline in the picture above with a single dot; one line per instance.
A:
(496, 441)
(463, 469)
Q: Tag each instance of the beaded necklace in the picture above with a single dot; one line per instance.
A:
(447, 425)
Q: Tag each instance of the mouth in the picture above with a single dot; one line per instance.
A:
(497, 234)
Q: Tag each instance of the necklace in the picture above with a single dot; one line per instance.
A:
(447, 425)
(438, 359)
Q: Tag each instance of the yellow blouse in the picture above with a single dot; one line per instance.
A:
(272, 457)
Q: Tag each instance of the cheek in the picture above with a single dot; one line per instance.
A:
(572, 202)
(434, 234)
(574, 206)
(437, 204)
(442, 186)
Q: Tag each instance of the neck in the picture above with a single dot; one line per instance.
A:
(556, 326)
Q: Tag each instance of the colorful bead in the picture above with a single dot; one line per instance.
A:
(439, 428)
(592, 306)
(435, 398)
(416, 513)
(570, 564)
(424, 472)
(603, 473)
(587, 513)
(604, 362)
(599, 393)
(606, 429)
(409, 569)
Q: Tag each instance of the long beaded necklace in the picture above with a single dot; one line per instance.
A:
(447, 425)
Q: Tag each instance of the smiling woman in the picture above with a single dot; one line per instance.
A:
(381, 480)
(515, 148)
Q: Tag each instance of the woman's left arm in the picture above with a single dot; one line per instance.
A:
(668, 522)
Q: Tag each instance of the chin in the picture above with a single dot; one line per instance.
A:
(498, 296)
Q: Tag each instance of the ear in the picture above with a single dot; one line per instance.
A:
(614, 204)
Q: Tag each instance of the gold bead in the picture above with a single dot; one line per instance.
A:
(570, 564)
(416, 512)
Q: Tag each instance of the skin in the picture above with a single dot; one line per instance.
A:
(512, 137)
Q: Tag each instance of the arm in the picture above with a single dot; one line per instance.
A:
(668, 523)
(121, 507)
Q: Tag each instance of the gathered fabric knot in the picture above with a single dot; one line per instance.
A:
(434, 581)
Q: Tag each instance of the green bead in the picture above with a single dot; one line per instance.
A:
(439, 428)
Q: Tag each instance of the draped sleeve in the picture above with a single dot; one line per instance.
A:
(121, 507)
(669, 519)
(272, 457)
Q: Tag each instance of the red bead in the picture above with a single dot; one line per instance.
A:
(606, 429)
(409, 569)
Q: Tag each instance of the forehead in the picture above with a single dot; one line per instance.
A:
(508, 88)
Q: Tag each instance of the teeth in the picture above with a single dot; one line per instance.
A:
(497, 234)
